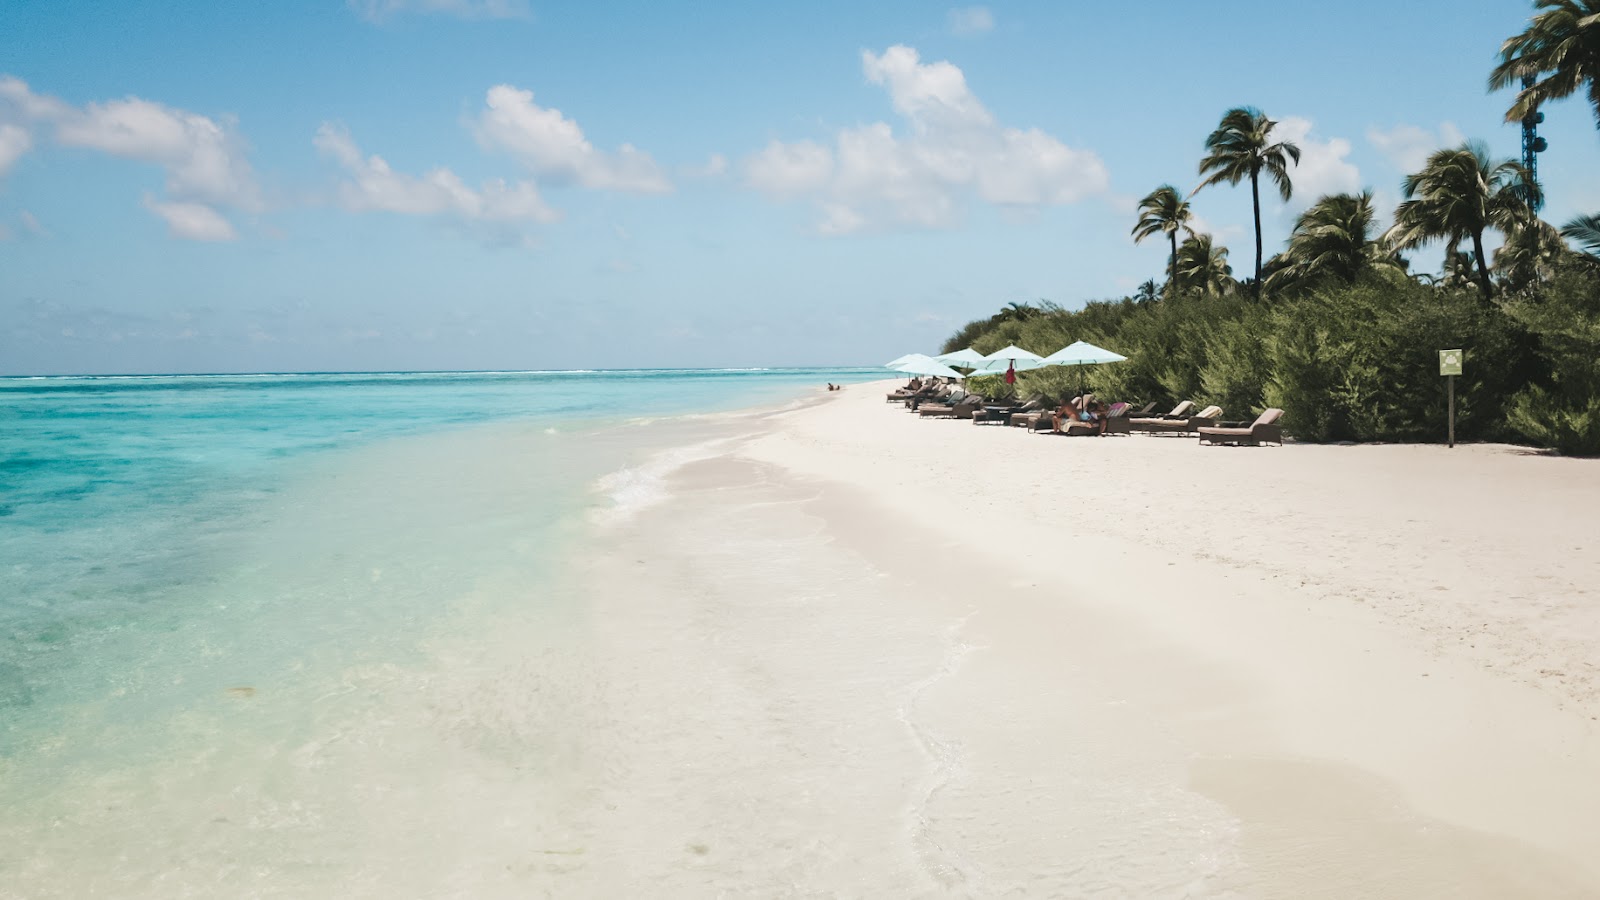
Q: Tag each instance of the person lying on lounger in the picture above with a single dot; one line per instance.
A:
(1086, 410)
(1068, 412)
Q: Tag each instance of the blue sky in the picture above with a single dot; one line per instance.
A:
(443, 184)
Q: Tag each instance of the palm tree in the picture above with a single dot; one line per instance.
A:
(1333, 239)
(1561, 43)
(1533, 251)
(1164, 211)
(1242, 147)
(1202, 267)
(1459, 194)
(1586, 231)
(1015, 311)
(1146, 292)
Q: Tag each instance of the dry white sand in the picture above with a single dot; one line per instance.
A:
(855, 652)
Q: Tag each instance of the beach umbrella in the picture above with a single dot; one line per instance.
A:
(895, 363)
(967, 358)
(1082, 353)
(1008, 359)
(918, 364)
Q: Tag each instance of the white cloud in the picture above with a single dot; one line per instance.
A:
(1407, 147)
(191, 221)
(871, 177)
(786, 169)
(374, 186)
(715, 167)
(14, 142)
(970, 20)
(382, 10)
(30, 223)
(204, 159)
(28, 105)
(1324, 167)
(552, 146)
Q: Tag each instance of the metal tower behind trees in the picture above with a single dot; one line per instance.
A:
(1532, 144)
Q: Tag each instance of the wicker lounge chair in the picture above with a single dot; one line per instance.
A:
(995, 415)
(962, 408)
(940, 394)
(906, 393)
(1182, 426)
(1181, 411)
(1119, 419)
(1040, 419)
(1264, 430)
(1116, 423)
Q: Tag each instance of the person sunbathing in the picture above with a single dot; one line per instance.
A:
(1068, 412)
(1085, 410)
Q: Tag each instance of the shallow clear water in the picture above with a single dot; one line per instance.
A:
(142, 519)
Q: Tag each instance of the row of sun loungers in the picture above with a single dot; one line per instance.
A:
(942, 401)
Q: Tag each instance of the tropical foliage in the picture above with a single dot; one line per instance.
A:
(1562, 44)
(1332, 240)
(1346, 347)
(1242, 147)
(1202, 268)
(1164, 211)
(1459, 194)
(1585, 230)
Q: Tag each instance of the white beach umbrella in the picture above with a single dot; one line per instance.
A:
(919, 364)
(967, 358)
(1011, 357)
(1082, 353)
(895, 363)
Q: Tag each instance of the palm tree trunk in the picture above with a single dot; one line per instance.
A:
(1172, 266)
(1255, 199)
(1483, 267)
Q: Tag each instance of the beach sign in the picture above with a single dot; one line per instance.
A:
(1450, 367)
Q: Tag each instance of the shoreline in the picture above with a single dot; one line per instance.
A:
(818, 646)
(1260, 652)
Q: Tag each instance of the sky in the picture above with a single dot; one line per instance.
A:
(360, 185)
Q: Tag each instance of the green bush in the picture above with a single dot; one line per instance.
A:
(1345, 362)
(1561, 408)
(1361, 362)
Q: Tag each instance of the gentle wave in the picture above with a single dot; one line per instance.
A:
(633, 489)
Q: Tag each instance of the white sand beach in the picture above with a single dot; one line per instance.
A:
(851, 652)
(837, 650)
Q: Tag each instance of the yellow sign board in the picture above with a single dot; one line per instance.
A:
(1450, 362)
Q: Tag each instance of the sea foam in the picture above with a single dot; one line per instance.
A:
(633, 489)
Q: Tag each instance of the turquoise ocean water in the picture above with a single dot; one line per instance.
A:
(194, 566)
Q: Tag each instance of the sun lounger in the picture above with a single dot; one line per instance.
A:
(906, 393)
(1116, 423)
(961, 409)
(1119, 419)
(1264, 430)
(995, 414)
(1181, 411)
(1186, 425)
(940, 394)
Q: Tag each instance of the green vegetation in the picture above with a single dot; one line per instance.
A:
(1335, 330)
(1459, 194)
(1164, 211)
(1561, 43)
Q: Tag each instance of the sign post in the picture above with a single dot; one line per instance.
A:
(1450, 367)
